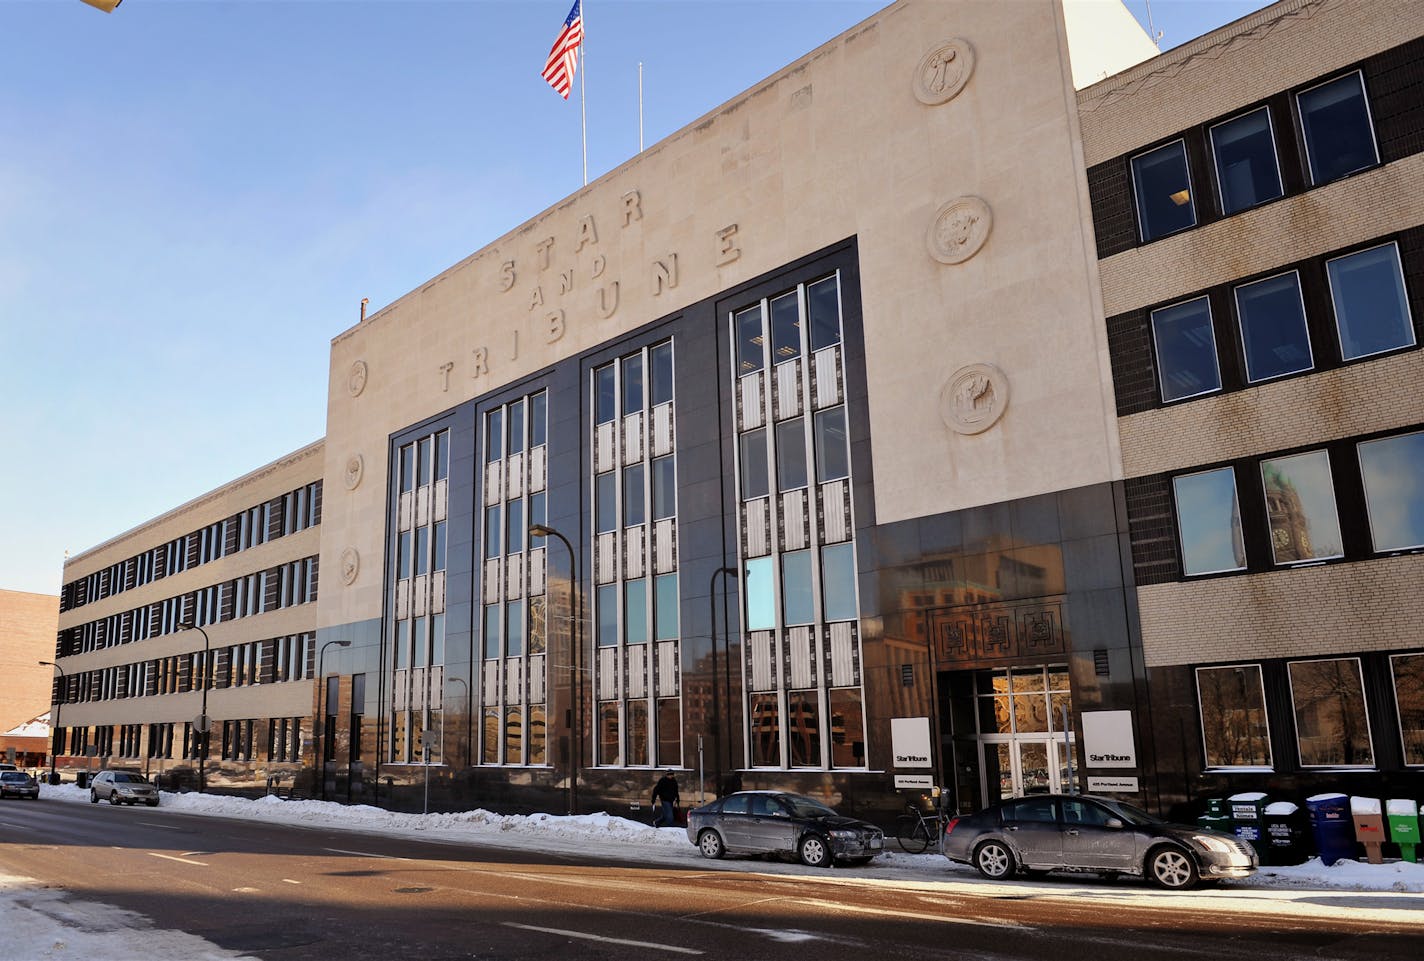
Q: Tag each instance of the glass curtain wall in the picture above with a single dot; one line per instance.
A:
(801, 653)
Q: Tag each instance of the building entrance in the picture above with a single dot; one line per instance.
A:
(1019, 714)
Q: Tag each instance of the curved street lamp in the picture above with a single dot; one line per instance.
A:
(204, 723)
(323, 737)
(576, 681)
(54, 721)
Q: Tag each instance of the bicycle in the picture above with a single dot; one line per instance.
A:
(919, 830)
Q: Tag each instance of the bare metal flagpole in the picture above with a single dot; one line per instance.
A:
(583, 92)
(640, 106)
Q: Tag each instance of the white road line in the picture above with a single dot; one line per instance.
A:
(596, 937)
(290, 881)
(839, 907)
(169, 857)
(166, 827)
(365, 854)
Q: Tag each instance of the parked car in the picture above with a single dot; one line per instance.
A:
(7, 766)
(18, 784)
(789, 825)
(122, 787)
(1055, 832)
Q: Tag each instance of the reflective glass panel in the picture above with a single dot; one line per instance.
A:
(538, 514)
(609, 752)
(439, 552)
(442, 455)
(803, 728)
(492, 531)
(633, 509)
(1371, 309)
(422, 550)
(1339, 138)
(824, 305)
(669, 732)
(1233, 716)
(608, 615)
(1300, 503)
(538, 419)
(407, 468)
(632, 384)
(605, 511)
(791, 453)
(660, 374)
(764, 728)
(785, 327)
(754, 464)
(1393, 470)
(638, 732)
(514, 629)
(422, 462)
(492, 635)
(838, 583)
(538, 735)
(1332, 728)
(635, 611)
(494, 435)
(1408, 673)
(1273, 329)
(605, 398)
(516, 427)
(1186, 349)
(832, 448)
(403, 547)
(664, 487)
(538, 627)
(1164, 191)
(437, 639)
(1246, 169)
(514, 526)
(1209, 522)
(750, 340)
(665, 602)
(513, 736)
(796, 597)
(760, 591)
(847, 728)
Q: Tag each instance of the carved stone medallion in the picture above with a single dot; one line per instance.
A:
(958, 230)
(356, 380)
(350, 565)
(355, 467)
(944, 71)
(974, 398)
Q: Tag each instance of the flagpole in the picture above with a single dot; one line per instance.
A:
(640, 106)
(583, 94)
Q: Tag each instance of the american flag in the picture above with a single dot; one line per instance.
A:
(563, 58)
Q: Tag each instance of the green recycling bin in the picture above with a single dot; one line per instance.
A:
(1217, 816)
(1248, 819)
(1403, 817)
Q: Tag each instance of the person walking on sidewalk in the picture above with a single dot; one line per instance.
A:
(665, 799)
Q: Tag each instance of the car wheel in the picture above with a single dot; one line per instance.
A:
(815, 851)
(93, 796)
(1171, 868)
(710, 844)
(153, 803)
(114, 798)
(994, 860)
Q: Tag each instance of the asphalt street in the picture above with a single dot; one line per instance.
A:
(279, 892)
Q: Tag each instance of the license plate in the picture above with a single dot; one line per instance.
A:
(875, 844)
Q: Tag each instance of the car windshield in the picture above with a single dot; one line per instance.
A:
(14, 776)
(1131, 814)
(804, 807)
(129, 778)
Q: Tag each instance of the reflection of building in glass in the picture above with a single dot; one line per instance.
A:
(1290, 527)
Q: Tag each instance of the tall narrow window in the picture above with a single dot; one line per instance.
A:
(538, 419)
(785, 327)
(516, 427)
(633, 493)
(605, 507)
(760, 589)
(632, 384)
(660, 379)
(664, 488)
(791, 454)
(838, 591)
(832, 450)
(635, 611)
(514, 527)
(514, 629)
(797, 598)
(755, 482)
(494, 436)
(665, 605)
(605, 397)
(607, 615)
(1164, 191)
(750, 341)
(824, 305)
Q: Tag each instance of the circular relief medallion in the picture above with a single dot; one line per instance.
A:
(355, 466)
(350, 565)
(944, 71)
(356, 380)
(958, 230)
(974, 398)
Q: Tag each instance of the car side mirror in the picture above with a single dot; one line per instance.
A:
(1113, 823)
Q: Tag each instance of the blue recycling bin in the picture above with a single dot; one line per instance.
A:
(1333, 827)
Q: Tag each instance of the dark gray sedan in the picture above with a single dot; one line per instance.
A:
(791, 825)
(19, 784)
(1054, 832)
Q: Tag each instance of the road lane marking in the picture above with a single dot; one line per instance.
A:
(839, 906)
(169, 857)
(598, 937)
(365, 854)
(290, 881)
(166, 827)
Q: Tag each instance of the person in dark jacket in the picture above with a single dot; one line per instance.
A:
(665, 798)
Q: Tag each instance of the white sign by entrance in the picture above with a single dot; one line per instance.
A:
(908, 781)
(910, 741)
(1107, 739)
(1113, 785)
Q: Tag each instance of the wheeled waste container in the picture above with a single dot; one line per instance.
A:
(1369, 827)
(1216, 817)
(1283, 834)
(81, 780)
(1330, 823)
(1403, 816)
(1247, 811)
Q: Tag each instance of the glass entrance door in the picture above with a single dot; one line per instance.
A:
(1020, 728)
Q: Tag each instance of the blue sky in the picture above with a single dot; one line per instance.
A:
(195, 195)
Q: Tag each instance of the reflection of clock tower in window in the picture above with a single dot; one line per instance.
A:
(1290, 528)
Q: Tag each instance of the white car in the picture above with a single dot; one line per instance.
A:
(122, 787)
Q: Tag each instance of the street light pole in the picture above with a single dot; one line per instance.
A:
(204, 723)
(717, 701)
(576, 681)
(323, 736)
(54, 721)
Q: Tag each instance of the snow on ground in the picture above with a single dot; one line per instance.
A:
(54, 926)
